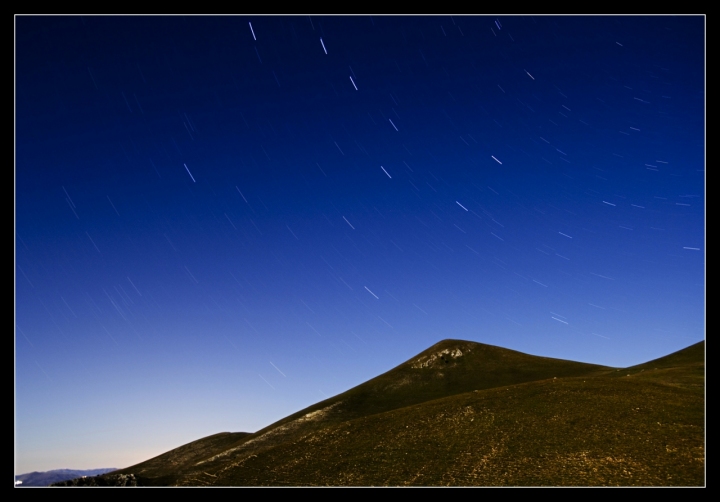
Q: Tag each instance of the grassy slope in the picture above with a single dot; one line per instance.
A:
(481, 366)
(489, 417)
(693, 354)
(163, 469)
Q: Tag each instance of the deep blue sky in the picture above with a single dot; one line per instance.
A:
(219, 223)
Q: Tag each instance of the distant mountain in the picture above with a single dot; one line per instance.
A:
(47, 477)
(465, 413)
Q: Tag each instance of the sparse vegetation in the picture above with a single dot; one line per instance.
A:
(463, 413)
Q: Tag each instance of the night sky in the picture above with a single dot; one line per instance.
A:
(222, 220)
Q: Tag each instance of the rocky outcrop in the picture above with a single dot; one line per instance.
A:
(443, 356)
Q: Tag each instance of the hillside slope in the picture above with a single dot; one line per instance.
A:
(463, 413)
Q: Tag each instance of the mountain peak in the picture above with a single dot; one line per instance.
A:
(468, 413)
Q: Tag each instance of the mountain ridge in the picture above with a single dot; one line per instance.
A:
(417, 423)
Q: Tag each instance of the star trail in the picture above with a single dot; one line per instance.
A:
(220, 220)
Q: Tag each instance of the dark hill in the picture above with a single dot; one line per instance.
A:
(694, 354)
(464, 413)
(449, 367)
(187, 454)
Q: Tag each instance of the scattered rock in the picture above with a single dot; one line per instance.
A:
(443, 356)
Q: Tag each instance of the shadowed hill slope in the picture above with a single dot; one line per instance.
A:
(182, 456)
(448, 367)
(684, 368)
(694, 354)
(566, 432)
(453, 367)
(463, 413)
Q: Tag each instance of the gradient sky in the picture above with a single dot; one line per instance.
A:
(222, 220)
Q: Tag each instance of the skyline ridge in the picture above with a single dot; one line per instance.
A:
(225, 454)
